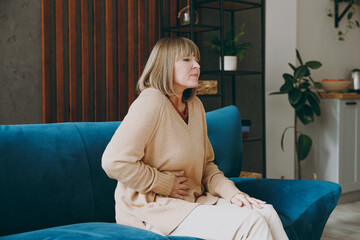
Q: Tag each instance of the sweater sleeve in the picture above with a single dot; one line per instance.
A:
(214, 180)
(122, 159)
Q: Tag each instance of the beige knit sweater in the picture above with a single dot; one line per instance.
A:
(151, 141)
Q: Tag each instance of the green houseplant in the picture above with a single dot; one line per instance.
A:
(351, 23)
(300, 88)
(232, 44)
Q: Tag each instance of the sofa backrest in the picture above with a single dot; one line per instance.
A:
(51, 175)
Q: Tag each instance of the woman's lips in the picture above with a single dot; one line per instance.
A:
(195, 75)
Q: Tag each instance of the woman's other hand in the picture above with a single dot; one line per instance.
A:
(179, 189)
(242, 199)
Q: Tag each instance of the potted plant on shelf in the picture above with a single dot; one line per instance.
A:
(233, 48)
(300, 88)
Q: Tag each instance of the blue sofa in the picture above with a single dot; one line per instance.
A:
(52, 185)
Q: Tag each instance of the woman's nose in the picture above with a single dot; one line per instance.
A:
(196, 64)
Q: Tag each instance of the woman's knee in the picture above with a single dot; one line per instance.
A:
(267, 211)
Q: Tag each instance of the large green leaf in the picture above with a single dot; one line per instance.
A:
(288, 85)
(313, 64)
(295, 96)
(303, 146)
(314, 104)
(298, 57)
(301, 72)
(299, 105)
(305, 114)
(314, 96)
(288, 77)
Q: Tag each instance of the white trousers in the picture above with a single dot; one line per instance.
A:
(225, 221)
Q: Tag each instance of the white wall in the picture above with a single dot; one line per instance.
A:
(317, 39)
(302, 25)
(280, 50)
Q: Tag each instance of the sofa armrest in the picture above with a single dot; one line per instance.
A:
(303, 206)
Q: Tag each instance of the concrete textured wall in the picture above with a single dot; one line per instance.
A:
(20, 62)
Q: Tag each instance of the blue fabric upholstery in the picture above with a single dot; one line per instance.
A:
(303, 205)
(226, 141)
(91, 231)
(51, 181)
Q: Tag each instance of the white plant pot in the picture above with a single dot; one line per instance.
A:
(230, 63)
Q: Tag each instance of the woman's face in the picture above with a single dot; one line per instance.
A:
(186, 74)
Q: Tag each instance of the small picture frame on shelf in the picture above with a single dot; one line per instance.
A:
(207, 87)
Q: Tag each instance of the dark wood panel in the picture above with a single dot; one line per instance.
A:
(131, 52)
(141, 37)
(85, 61)
(46, 66)
(173, 15)
(63, 28)
(72, 61)
(109, 59)
(122, 60)
(152, 24)
(59, 41)
(97, 60)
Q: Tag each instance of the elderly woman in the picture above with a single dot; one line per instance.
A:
(162, 159)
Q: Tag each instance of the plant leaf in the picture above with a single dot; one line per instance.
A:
(313, 64)
(288, 78)
(318, 85)
(357, 23)
(295, 96)
(303, 146)
(276, 93)
(314, 104)
(305, 114)
(301, 72)
(299, 105)
(292, 66)
(350, 15)
(298, 57)
(288, 85)
(304, 85)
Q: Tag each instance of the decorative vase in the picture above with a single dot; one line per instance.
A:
(230, 63)
(184, 16)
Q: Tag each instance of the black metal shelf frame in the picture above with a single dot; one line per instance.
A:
(338, 18)
(231, 6)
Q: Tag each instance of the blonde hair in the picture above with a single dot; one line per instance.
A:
(158, 71)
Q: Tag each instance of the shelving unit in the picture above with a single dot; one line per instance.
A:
(226, 78)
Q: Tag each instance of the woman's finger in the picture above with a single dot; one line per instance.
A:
(255, 203)
(183, 193)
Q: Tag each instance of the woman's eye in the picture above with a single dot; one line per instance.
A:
(186, 59)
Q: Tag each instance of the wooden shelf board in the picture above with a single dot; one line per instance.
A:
(339, 95)
(229, 5)
(186, 28)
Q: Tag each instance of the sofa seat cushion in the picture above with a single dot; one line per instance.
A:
(303, 205)
(90, 231)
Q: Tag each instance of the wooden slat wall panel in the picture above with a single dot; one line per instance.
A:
(141, 35)
(117, 64)
(59, 34)
(173, 15)
(46, 48)
(122, 60)
(85, 92)
(152, 25)
(109, 59)
(72, 61)
(97, 60)
(131, 51)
